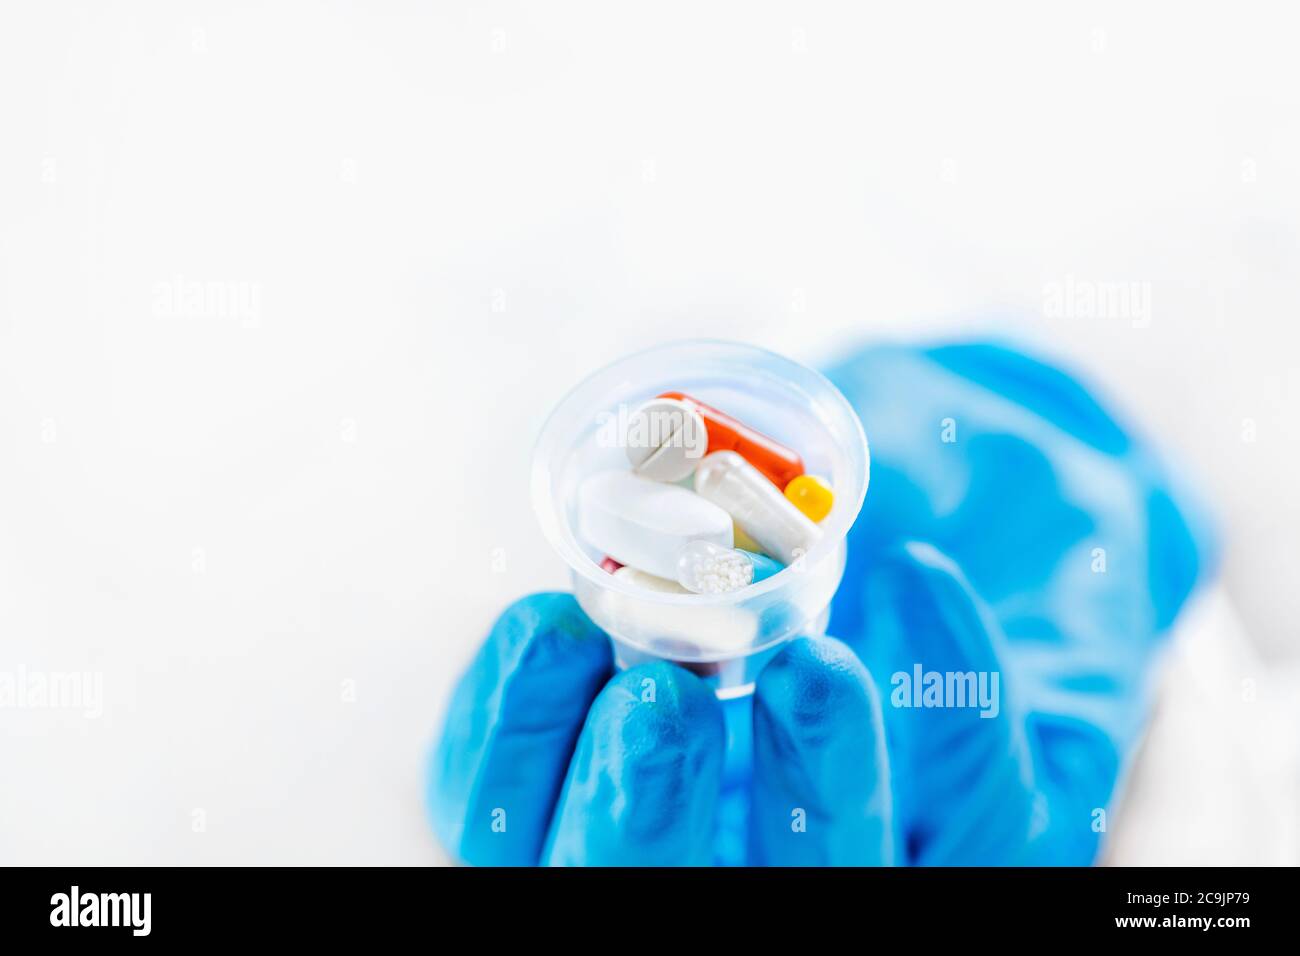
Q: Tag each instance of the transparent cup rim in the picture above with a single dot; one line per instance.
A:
(561, 537)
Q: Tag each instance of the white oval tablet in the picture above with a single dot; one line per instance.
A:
(645, 524)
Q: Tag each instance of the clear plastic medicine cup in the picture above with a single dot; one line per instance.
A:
(723, 638)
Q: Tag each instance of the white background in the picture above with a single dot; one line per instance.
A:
(443, 215)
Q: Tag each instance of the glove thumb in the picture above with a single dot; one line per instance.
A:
(966, 779)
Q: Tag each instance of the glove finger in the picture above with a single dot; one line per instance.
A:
(643, 784)
(510, 731)
(821, 775)
(966, 779)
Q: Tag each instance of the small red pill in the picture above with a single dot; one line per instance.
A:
(610, 565)
(778, 463)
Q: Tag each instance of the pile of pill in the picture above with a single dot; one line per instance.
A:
(708, 506)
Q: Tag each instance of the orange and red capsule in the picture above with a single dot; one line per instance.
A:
(779, 464)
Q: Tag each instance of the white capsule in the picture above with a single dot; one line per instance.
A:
(644, 523)
(688, 630)
(705, 568)
(782, 530)
(648, 581)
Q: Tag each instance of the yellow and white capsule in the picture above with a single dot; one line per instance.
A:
(771, 519)
(811, 495)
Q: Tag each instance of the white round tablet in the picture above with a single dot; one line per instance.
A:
(665, 440)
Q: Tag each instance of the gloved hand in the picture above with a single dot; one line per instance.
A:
(1013, 531)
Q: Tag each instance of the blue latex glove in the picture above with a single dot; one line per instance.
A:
(1012, 528)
